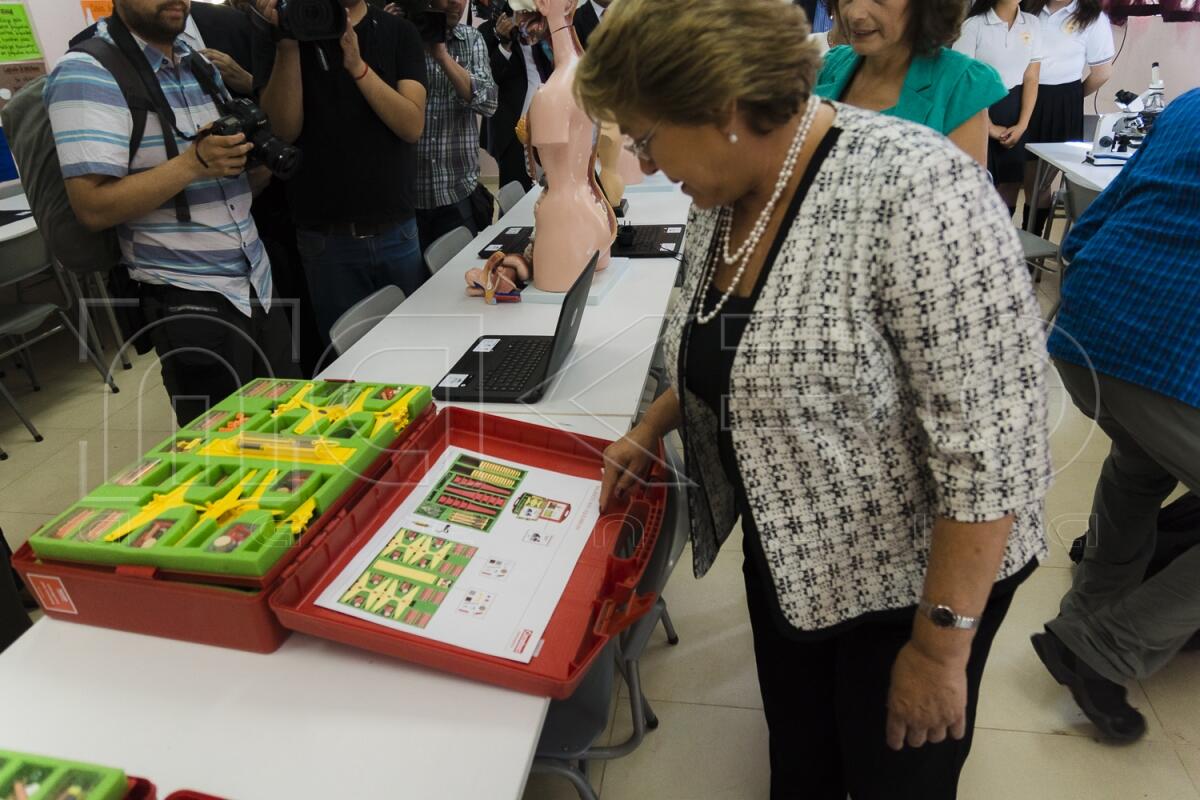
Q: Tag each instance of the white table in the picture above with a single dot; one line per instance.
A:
(423, 338)
(1069, 158)
(317, 719)
(14, 230)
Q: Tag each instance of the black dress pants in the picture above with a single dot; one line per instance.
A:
(208, 349)
(825, 700)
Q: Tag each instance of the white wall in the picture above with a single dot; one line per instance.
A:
(1174, 45)
(55, 22)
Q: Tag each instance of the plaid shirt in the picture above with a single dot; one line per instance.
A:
(1132, 292)
(448, 152)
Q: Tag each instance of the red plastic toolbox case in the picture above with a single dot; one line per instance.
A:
(600, 599)
(144, 600)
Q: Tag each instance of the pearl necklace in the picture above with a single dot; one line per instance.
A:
(725, 223)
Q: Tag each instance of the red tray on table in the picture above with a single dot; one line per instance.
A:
(146, 600)
(600, 599)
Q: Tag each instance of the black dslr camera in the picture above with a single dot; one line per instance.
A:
(243, 116)
(311, 20)
(430, 24)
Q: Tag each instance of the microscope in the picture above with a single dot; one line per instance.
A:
(1119, 135)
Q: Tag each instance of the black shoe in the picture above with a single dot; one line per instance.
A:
(1100, 699)
(1193, 644)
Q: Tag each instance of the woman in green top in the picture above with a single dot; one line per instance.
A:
(898, 62)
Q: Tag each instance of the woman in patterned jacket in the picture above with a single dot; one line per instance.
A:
(857, 362)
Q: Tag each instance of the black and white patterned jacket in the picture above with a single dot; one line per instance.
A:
(892, 373)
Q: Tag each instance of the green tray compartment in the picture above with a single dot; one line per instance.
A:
(195, 489)
(100, 783)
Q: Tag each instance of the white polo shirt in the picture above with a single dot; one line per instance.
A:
(987, 38)
(1070, 48)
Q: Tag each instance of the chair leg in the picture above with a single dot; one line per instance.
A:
(118, 337)
(644, 718)
(27, 363)
(3, 455)
(93, 335)
(668, 626)
(565, 770)
(104, 373)
(37, 437)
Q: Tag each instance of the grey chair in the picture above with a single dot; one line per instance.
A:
(1076, 199)
(363, 316)
(22, 323)
(572, 726)
(446, 247)
(510, 194)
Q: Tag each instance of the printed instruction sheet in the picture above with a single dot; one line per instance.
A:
(477, 556)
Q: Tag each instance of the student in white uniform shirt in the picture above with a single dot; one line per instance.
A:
(1078, 43)
(1007, 39)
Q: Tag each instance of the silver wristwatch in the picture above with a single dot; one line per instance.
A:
(945, 617)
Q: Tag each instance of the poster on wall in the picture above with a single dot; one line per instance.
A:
(14, 76)
(17, 42)
(96, 10)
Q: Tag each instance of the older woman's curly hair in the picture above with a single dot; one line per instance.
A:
(690, 61)
(931, 23)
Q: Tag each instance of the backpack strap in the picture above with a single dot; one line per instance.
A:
(142, 93)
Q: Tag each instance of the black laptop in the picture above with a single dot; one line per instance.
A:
(517, 369)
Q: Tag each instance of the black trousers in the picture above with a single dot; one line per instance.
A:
(13, 619)
(826, 706)
(208, 349)
(512, 166)
(433, 223)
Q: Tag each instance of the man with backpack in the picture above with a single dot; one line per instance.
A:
(180, 202)
(1125, 346)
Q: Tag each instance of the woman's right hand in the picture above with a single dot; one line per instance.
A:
(626, 462)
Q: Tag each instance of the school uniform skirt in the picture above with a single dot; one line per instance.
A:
(1007, 164)
(1057, 115)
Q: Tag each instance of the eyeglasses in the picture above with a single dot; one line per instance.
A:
(641, 147)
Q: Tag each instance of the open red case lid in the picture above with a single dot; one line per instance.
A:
(600, 599)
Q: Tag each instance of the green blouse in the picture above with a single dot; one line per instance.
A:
(941, 91)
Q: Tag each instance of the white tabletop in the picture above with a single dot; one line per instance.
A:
(1069, 157)
(17, 202)
(315, 720)
(605, 371)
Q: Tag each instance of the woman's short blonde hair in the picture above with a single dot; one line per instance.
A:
(687, 61)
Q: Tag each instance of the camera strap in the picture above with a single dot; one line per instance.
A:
(162, 109)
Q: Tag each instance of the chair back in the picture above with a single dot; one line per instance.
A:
(510, 194)
(363, 316)
(438, 254)
(23, 257)
(1078, 198)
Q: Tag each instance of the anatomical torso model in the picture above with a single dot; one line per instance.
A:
(572, 219)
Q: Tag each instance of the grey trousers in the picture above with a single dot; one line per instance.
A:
(1120, 624)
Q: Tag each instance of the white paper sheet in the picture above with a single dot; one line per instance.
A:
(490, 586)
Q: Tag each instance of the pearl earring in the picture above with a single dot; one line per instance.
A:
(733, 138)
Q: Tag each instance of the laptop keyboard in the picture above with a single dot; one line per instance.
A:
(513, 372)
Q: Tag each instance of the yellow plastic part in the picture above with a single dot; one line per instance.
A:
(151, 511)
(275, 448)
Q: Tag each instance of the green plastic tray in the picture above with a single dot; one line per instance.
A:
(42, 778)
(232, 491)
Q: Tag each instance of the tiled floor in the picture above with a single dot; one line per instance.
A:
(1032, 742)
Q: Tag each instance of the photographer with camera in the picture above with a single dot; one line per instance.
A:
(180, 202)
(347, 83)
(519, 69)
(460, 87)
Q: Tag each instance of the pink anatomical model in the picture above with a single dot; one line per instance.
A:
(572, 219)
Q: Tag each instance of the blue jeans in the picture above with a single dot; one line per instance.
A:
(342, 270)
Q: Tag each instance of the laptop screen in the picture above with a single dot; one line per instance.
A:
(572, 311)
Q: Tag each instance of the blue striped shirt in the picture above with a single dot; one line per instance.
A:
(219, 250)
(1131, 297)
